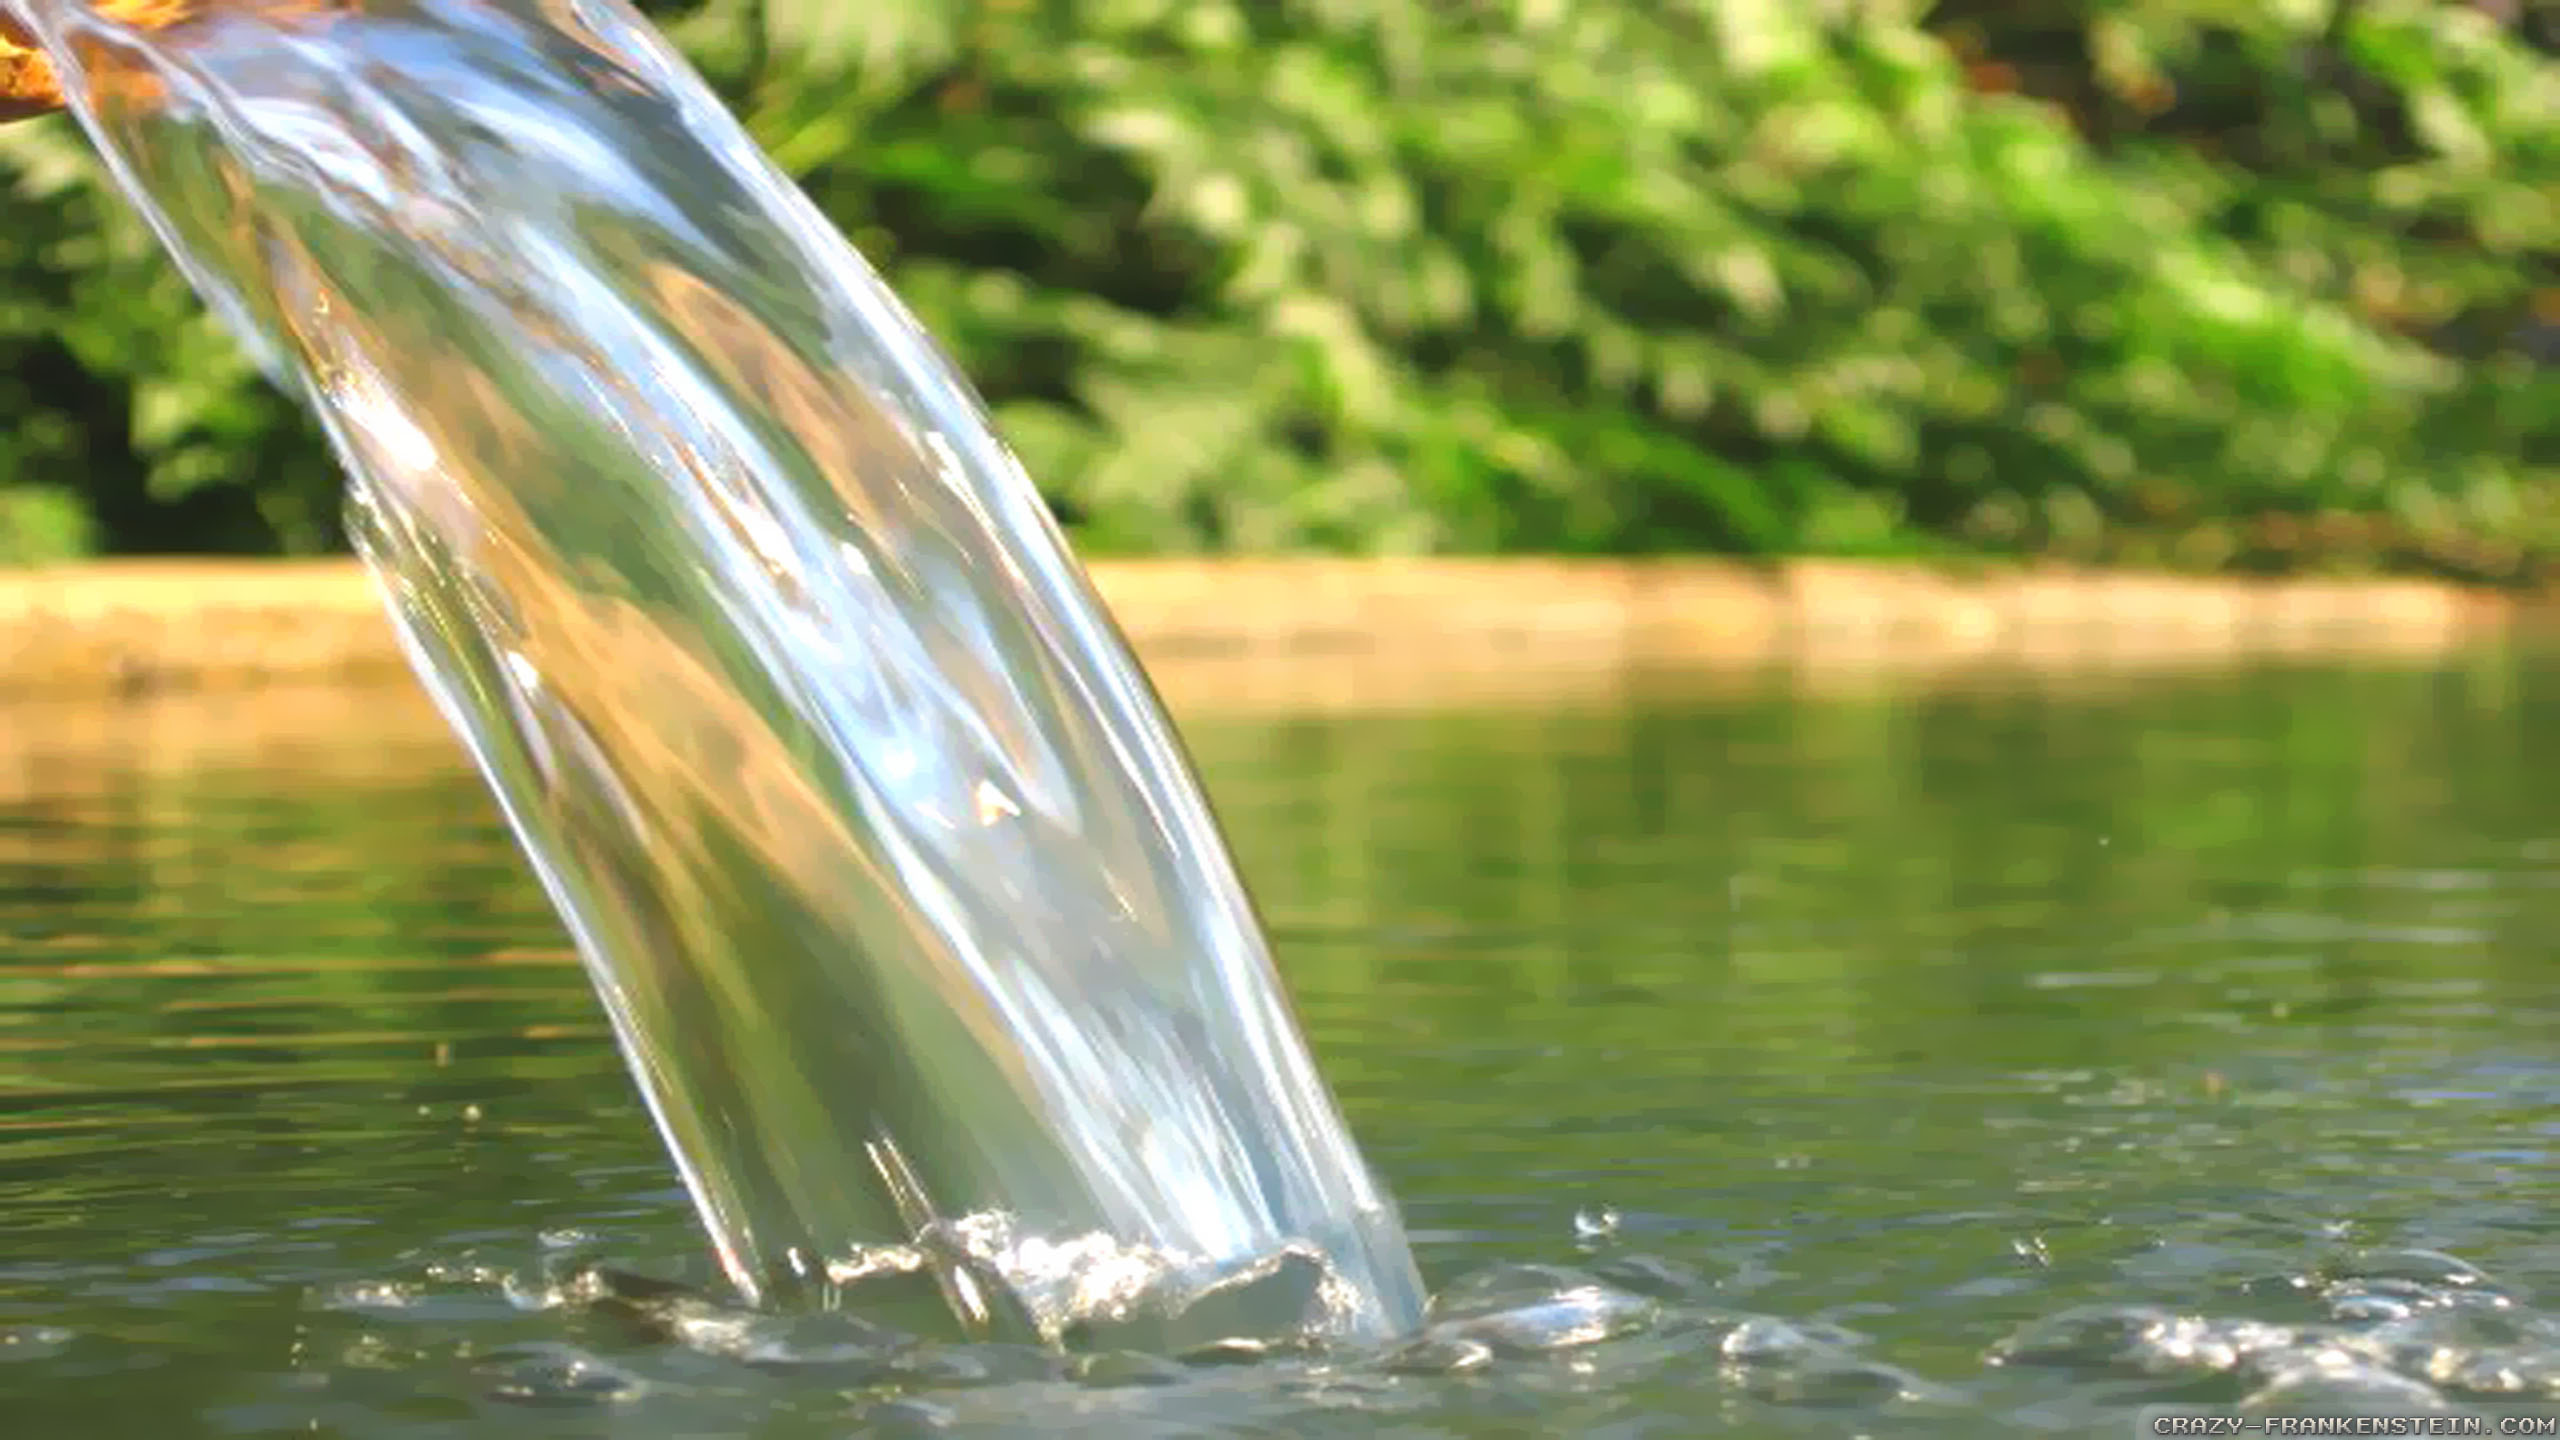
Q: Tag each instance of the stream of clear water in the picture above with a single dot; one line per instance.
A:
(910, 918)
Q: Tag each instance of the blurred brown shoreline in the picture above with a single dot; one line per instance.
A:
(186, 661)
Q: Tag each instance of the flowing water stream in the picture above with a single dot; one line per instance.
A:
(911, 921)
(1896, 1061)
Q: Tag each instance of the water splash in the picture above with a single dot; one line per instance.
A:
(910, 918)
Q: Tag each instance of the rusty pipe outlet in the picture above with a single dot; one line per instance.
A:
(28, 86)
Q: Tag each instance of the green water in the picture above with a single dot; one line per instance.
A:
(1873, 1034)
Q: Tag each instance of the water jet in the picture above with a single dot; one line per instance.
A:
(913, 924)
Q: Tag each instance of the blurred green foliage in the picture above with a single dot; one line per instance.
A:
(2260, 283)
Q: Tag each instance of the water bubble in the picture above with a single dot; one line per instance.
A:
(1585, 1315)
(1597, 1223)
(1520, 1311)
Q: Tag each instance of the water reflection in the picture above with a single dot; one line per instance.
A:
(1949, 1120)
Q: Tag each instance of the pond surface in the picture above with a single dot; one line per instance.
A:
(2000, 1057)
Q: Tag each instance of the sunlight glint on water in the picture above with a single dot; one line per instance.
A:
(908, 913)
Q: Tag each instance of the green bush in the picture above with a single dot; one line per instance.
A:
(2249, 284)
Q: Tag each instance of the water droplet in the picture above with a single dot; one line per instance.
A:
(31, 1342)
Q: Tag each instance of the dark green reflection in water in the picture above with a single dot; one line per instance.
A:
(1923, 1011)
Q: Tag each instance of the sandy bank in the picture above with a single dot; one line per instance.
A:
(127, 627)
(178, 667)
